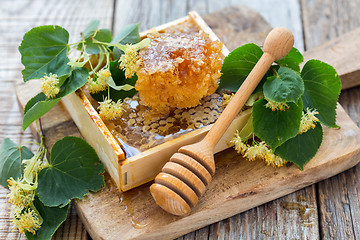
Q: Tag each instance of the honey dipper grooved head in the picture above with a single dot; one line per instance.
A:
(168, 200)
(202, 153)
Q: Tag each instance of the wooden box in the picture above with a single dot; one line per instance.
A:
(131, 172)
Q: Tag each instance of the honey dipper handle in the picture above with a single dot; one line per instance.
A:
(277, 44)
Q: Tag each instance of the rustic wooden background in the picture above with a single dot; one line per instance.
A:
(326, 210)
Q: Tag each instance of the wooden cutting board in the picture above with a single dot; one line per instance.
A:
(238, 185)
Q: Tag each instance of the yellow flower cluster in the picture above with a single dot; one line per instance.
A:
(274, 106)
(26, 221)
(130, 61)
(100, 82)
(18, 195)
(257, 151)
(308, 120)
(227, 98)
(110, 109)
(22, 193)
(49, 85)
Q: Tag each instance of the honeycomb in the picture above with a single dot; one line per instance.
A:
(140, 128)
(179, 67)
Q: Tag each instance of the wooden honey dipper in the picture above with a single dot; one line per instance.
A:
(184, 178)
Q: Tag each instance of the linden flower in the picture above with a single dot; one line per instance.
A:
(276, 106)
(274, 160)
(110, 109)
(104, 74)
(227, 98)
(32, 168)
(239, 145)
(130, 61)
(100, 82)
(49, 85)
(259, 150)
(18, 195)
(28, 221)
(308, 120)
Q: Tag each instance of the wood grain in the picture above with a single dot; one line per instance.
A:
(338, 197)
(326, 19)
(339, 53)
(236, 19)
(282, 14)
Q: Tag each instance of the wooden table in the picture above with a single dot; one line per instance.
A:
(332, 207)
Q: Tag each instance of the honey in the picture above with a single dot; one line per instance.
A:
(179, 67)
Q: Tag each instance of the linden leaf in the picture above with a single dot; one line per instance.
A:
(11, 156)
(43, 51)
(74, 170)
(40, 104)
(37, 107)
(52, 217)
(119, 79)
(237, 66)
(322, 89)
(286, 86)
(301, 148)
(247, 131)
(276, 127)
(91, 28)
(127, 35)
(102, 35)
(292, 60)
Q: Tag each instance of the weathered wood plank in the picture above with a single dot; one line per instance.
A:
(238, 25)
(338, 196)
(339, 54)
(277, 13)
(291, 217)
(326, 19)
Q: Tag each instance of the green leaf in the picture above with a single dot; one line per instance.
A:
(40, 104)
(301, 148)
(292, 60)
(52, 217)
(102, 35)
(247, 130)
(91, 28)
(76, 80)
(74, 170)
(286, 86)
(43, 51)
(118, 76)
(11, 156)
(125, 87)
(237, 65)
(37, 107)
(276, 127)
(322, 89)
(128, 34)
